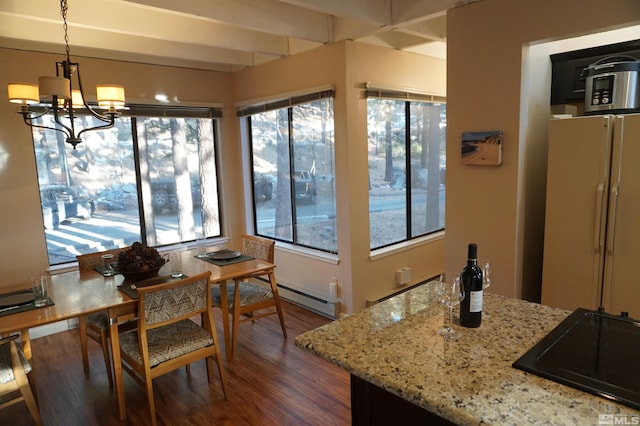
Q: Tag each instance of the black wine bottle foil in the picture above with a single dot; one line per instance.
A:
(471, 280)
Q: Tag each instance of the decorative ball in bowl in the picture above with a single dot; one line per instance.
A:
(139, 262)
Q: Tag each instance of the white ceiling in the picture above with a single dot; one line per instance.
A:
(222, 35)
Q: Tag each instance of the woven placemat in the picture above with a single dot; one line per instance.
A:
(23, 307)
(130, 288)
(100, 269)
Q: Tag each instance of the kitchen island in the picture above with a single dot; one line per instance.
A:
(401, 369)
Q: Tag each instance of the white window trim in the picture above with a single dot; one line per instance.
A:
(406, 245)
(308, 252)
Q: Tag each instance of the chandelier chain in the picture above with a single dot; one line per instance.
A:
(63, 11)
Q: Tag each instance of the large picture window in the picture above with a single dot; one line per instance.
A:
(292, 160)
(406, 142)
(150, 178)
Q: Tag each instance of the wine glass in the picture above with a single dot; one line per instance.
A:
(450, 294)
(487, 279)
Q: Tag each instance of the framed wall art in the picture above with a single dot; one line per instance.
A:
(482, 148)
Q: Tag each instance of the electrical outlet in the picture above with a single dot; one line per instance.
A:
(403, 276)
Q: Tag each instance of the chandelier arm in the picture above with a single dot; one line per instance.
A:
(32, 115)
(40, 126)
(108, 117)
(105, 126)
(29, 116)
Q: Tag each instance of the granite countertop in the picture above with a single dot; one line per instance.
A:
(394, 345)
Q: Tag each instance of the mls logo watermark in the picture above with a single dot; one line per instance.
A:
(618, 419)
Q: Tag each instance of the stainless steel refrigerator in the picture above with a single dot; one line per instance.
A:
(592, 218)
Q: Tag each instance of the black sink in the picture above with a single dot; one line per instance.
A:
(591, 351)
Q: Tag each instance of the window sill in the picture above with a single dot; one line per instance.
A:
(192, 245)
(307, 252)
(406, 245)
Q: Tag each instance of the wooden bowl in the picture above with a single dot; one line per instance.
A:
(141, 275)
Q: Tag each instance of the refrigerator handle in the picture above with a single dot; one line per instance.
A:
(596, 237)
(612, 224)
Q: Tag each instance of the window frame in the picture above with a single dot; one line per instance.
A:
(133, 114)
(246, 113)
(409, 99)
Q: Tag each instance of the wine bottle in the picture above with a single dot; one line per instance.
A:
(471, 277)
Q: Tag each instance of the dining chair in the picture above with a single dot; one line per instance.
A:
(96, 325)
(247, 298)
(167, 337)
(14, 382)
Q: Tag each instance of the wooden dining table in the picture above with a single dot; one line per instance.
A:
(75, 294)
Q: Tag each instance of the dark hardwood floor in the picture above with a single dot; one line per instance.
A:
(270, 382)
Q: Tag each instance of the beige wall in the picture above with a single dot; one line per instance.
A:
(491, 73)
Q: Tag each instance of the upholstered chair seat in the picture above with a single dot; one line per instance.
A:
(6, 366)
(247, 297)
(250, 293)
(98, 319)
(14, 383)
(168, 342)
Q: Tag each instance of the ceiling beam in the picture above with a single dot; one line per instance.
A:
(407, 11)
(118, 55)
(376, 12)
(22, 29)
(267, 16)
(400, 40)
(432, 29)
(124, 20)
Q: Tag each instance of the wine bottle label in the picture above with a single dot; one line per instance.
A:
(475, 301)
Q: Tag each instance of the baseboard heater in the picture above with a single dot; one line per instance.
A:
(316, 304)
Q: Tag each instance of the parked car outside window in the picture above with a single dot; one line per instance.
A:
(305, 185)
(164, 194)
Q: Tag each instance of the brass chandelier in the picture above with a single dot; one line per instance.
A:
(57, 96)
